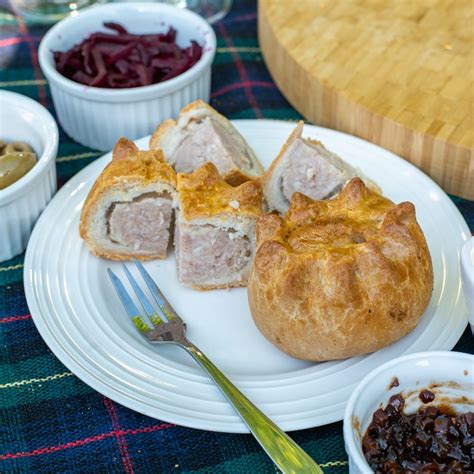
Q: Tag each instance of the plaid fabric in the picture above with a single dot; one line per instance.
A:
(52, 422)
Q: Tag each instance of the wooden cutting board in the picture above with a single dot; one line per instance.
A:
(399, 73)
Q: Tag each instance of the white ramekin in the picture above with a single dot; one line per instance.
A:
(453, 371)
(23, 119)
(467, 272)
(97, 117)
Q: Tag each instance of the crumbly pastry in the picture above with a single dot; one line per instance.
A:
(305, 166)
(201, 135)
(129, 210)
(340, 277)
(215, 229)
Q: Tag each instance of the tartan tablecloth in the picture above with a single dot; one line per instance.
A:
(52, 422)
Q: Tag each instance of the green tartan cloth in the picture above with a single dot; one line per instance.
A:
(50, 421)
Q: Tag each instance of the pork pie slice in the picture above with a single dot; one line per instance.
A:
(129, 210)
(215, 229)
(201, 135)
(304, 166)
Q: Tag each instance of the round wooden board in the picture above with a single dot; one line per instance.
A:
(398, 73)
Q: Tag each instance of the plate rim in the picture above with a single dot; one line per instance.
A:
(73, 364)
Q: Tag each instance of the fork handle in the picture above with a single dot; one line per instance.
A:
(283, 451)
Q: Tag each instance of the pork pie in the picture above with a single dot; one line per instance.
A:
(341, 277)
(129, 210)
(215, 229)
(201, 135)
(305, 166)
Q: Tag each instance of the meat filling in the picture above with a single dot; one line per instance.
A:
(312, 174)
(208, 141)
(142, 224)
(210, 254)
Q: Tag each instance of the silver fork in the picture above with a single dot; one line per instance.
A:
(166, 326)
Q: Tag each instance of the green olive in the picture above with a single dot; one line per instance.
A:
(15, 147)
(14, 166)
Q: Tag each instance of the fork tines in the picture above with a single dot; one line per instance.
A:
(157, 294)
(165, 310)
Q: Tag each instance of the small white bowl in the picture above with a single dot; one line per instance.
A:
(454, 371)
(98, 117)
(467, 272)
(23, 119)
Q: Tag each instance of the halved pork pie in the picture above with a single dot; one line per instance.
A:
(201, 135)
(129, 210)
(305, 166)
(215, 229)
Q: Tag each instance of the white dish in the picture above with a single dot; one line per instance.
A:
(414, 373)
(467, 271)
(98, 117)
(77, 312)
(23, 119)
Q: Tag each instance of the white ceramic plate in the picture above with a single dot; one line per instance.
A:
(78, 315)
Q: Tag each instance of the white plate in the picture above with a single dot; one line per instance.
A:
(78, 315)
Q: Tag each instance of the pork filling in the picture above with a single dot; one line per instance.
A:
(309, 173)
(207, 254)
(208, 141)
(142, 224)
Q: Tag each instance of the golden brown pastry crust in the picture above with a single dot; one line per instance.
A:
(129, 166)
(122, 256)
(161, 130)
(340, 277)
(236, 177)
(204, 193)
